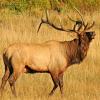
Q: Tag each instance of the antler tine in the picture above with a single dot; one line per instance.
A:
(80, 15)
(42, 21)
(85, 27)
(77, 11)
(80, 26)
(40, 25)
(46, 11)
(71, 18)
(77, 22)
(90, 26)
(74, 27)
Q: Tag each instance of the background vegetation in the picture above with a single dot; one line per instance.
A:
(20, 6)
(19, 20)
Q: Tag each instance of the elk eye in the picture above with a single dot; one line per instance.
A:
(91, 33)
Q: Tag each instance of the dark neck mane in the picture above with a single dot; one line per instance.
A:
(77, 50)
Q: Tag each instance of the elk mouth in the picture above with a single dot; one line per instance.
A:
(93, 36)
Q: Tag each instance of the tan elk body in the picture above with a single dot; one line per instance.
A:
(40, 57)
(52, 57)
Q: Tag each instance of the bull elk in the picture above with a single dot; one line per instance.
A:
(53, 57)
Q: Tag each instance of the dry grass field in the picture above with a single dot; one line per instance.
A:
(81, 82)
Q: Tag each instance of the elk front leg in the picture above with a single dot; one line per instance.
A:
(56, 83)
(61, 83)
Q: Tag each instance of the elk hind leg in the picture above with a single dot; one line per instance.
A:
(12, 80)
(4, 79)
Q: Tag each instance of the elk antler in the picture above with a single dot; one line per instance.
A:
(51, 24)
(89, 27)
(82, 20)
(78, 23)
(86, 27)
